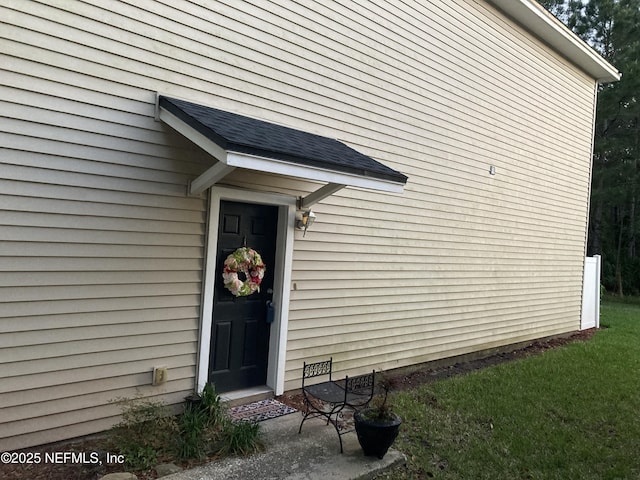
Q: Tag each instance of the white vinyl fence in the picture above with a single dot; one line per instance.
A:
(591, 293)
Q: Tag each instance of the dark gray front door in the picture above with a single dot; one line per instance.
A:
(240, 336)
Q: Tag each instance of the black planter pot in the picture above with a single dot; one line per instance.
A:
(376, 436)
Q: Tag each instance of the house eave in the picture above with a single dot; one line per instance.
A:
(538, 21)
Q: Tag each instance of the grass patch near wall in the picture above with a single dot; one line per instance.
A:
(569, 413)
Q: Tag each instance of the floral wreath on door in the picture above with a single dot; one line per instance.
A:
(247, 262)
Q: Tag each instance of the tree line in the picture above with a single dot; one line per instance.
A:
(612, 27)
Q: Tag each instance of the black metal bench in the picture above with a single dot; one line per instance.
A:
(330, 398)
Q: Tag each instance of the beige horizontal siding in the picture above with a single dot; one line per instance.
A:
(90, 319)
(80, 421)
(101, 250)
(491, 258)
(249, 48)
(101, 255)
(105, 368)
(46, 406)
(83, 390)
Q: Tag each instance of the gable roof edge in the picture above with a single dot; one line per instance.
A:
(534, 18)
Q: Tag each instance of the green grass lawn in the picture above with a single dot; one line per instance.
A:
(569, 413)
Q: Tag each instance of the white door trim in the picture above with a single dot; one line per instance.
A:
(282, 280)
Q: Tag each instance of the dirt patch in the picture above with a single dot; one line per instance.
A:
(427, 375)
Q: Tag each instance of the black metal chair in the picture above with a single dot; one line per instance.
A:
(330, 398)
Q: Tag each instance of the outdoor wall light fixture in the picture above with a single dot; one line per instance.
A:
(492, 170)
(307, 219)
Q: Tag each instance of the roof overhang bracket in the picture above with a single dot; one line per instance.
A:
(192, 134)
(213, 174)
(210, 177)
(320, 194)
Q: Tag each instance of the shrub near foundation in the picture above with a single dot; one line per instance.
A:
(195, 431)
(148, 433)
(241, 438)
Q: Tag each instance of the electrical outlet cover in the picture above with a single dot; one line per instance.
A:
(160, 375)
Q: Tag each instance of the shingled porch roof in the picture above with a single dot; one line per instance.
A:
(237, 141)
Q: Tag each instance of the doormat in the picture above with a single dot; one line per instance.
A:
(259, 411)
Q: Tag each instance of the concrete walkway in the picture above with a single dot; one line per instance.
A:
(312, 455)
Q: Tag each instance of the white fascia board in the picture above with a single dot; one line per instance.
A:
(537, 20)
(263, 164)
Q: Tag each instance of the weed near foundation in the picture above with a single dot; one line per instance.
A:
(148, 433)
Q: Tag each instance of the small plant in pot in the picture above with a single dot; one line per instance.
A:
(377, 426)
